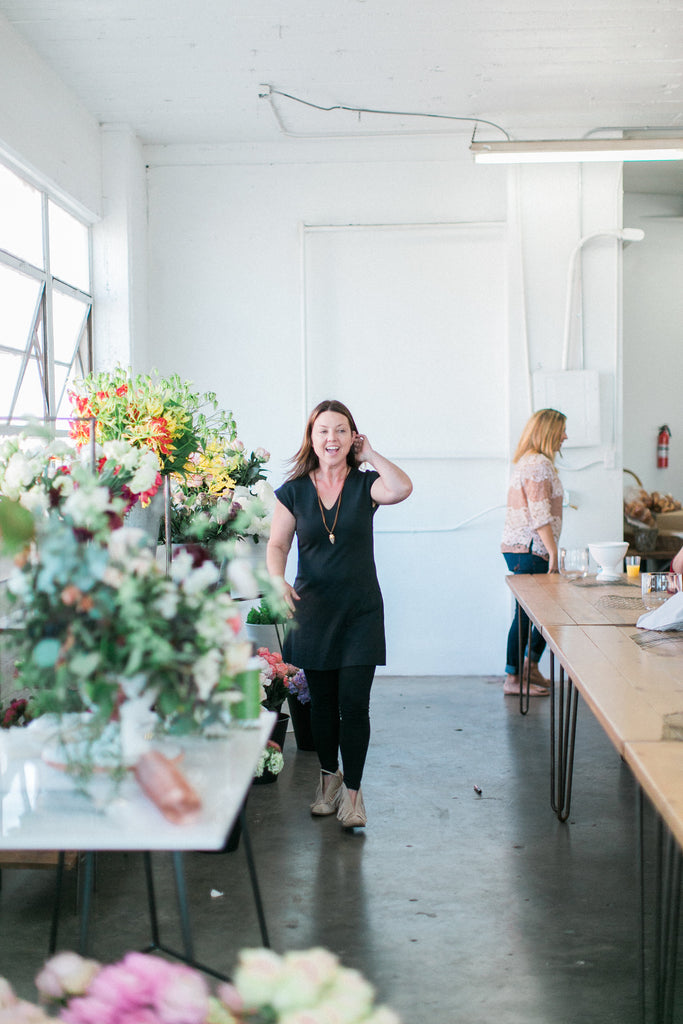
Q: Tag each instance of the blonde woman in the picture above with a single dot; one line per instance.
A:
(533, 522)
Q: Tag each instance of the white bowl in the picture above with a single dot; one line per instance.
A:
(609, 555)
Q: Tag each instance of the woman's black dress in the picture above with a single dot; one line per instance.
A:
(339, 619)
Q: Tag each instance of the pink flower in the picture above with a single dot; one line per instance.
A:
(88, 1010)
(132, 983)
(139, 1016)
(184, 997)
(230, 997)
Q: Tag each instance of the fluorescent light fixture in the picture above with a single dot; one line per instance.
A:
(576, 150)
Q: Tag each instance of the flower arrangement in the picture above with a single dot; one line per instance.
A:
(42, 473)
(276, 675)
(271, 760)
(97, 617)
(221, 495)
(307, 987)
(164, 415)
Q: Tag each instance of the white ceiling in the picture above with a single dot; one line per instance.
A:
(181, 72)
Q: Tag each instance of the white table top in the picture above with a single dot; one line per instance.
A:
(41, 810)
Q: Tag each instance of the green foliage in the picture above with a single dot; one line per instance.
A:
(264, 615)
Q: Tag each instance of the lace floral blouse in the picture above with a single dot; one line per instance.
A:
(534, 500)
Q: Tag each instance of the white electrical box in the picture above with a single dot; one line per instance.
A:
(576, 393)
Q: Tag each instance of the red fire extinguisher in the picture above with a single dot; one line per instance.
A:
(663, 439)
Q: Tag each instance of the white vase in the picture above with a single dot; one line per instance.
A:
(148, 519)
(266, 635)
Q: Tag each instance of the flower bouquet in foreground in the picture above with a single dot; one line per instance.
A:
(308, 987)
(110, 641)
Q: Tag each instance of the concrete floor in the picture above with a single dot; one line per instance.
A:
(459, 907)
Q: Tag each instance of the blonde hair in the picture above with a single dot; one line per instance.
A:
(543, 434)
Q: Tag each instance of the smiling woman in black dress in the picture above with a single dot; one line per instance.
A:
(338, 639)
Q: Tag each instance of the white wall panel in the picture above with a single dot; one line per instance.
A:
(406, 319)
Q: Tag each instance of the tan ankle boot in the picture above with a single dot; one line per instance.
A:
(350, 816)
(327, 799)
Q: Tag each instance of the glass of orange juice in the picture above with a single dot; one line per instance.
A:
(632, 565)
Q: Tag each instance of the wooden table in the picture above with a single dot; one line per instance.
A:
(554, 600)
(632, 680)
(658, 767)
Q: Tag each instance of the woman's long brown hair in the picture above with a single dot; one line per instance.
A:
(305, 460)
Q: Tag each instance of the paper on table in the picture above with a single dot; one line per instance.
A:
(668, 616)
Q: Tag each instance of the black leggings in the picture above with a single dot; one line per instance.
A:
(340, 718)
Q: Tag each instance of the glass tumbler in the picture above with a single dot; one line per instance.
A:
(574, 562)
(658, 587)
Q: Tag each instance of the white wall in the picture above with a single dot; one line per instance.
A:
(225, 292)
(653, 340)
(45, 129)
(120, 252)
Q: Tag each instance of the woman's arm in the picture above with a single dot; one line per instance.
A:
(677, 563)
(546, 535)
(393, 484)
(282, 530)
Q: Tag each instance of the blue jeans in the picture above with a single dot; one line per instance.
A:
(528, 564)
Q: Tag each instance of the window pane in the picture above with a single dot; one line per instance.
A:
(21, 223)
(64, 380)
(10, 366)
(31, 401)
(68, 316)
(18, 297)
(69, 256)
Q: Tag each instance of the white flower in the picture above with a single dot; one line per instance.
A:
(181, 566)
(351, 995)
(127, 548)
(145, 475)
(242, 578)
(305, 977)
(122, 453)
(206, 673)
(83, 505)
(35, 500)
(167, 602)
(18, 475)
(199, 580)
(265, 493)
(257, 976)
(237, 657)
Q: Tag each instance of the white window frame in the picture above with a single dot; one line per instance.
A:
(42, 315)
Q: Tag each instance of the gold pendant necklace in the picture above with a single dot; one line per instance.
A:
(322, 510)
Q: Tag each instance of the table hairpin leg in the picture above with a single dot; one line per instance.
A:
(54, 924)
(524, 684)
(254, 880)
(667, 898)
(156, 945)
(562, 740)
(88, 884)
